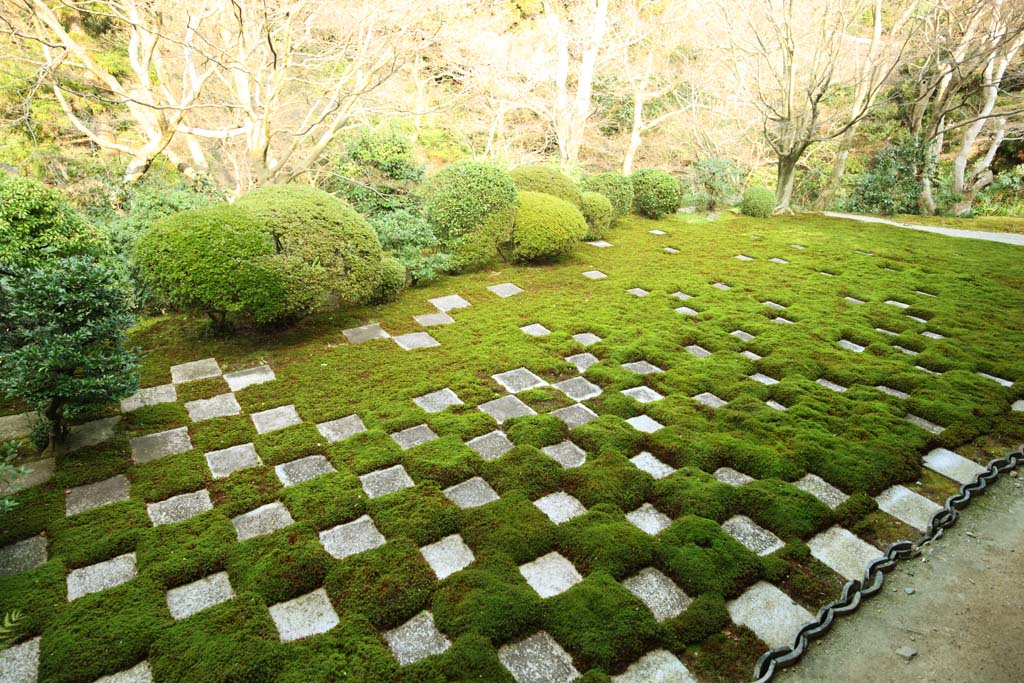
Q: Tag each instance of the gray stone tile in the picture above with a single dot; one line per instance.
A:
(303, 469)
(582, 361)
(505, 290)
(904, 350)
(560, 507)
(240, 379)
(567, 454)
(471, 493)
(645, 424)
(416, 639)
(449, 303)
(928, 370)
(643, 394)
(90, 434)
(638, 292)
(686, 310)
(140, 673)
(575, 415)
(436, 401)
(520, 379)
(192, 598)
(772, 304)
(266, 519)
(492, 445)
(365, 333)
(907, 506)
(750, 355)
(709, 399)
(20, 663)
(885, 331)
(658, 666)
(661, 595)
(101, 576)
(897, 304)
(776, 259)
(388, 480)
(341, 429)
(764, 379)
(1018, 406)
(416, 340)
(536, 330)
(850, 346)
(822, 490)
(722, 286)
(670, 250)
(90, 496)
(798, 246)
(829, 384)
(351, 538)
(782, 321)
(505, 408)
(601, 244)
(550, 574)
(754, 537)
(447, 556)
(646, 461)
(698, 351)
(657, 232)
(414, 436)
(159, 445)
(924, 424)
(895, 393)
(209, 408)
(682, 296)
(150, 396)
(936, 335)
(728, 475)
(578, 389)
(917, 320)
(594, 275)
(431, 319)
(586, 338)
(36, 472)
(538, 659)
(742, 336)
(923, 293)
(997, 380)
(275, 418)
(197, 369)
(827, 274)
(952, 465)
(179, 508)
(744, 257)
(854, 300)
(649, 519)
(306, 615)
(23, 555)
(642, 367)
(771, 614)
(843, 552)
(17, 426)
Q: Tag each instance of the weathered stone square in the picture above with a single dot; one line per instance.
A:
(414, 436)
(225, 461)
(140, 673)
(772, 304)
(775, 405)
(744, 257)
(20, 663)
(449, 303)
(179, 508)
(209, 408)
(646, 462)
(306, 615)
(924, 424)
(754, 537)
(657, 232)
(643, 394)
(23, 555)
(594, 275)
(416, 639)
(150, 396)
(709, 399)
(917, 319)
(895, 393)
(1018, 406)
(197, 369)
(520, 379)
(750, 355)
(416, 340)
(661, 595)
(782, 321)
(550, 574)
(936, 335)
(776, 259)
(903, 349)
(582, 361)
(829, 384)
(351, 538)
(822, 490)
(853, 300)
(642, 367)
(649, 519)
(686, 310)
(471, 493)
(382, 482)
(535, 330)
(638, 292)
(560, 507)
(728, 475)
(658, 666)
(90, 496)
(365, 333)
(575, 415)
(997, 380)
(771, 614)
(722, 286)
(184, 601)
(505, 408)
(850, 346)
(681, 296)
(266, 519)
(827, 274)
(907, 506)
(600, 244)
(431, 319)
(505, 290)
(586, 338)
(952, 465)
(698, 351)
(567, 454)
(101, 576)
(436, 401)
(303, 469)
(492, 445)
(764, 379)
(885, 331)
(89, 434)
(240, 379)
(159, 445)
(846, 554)
(645, 424)
(670, 250)
(341, 429)
(17, 426)
(742, 336)
(897, 304)
(928, 370)
(538, 659)
(578, 389)
(275, 418)
(447, 556)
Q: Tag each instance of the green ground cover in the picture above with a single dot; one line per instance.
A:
(857, 440)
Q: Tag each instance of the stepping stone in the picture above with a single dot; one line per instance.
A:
(437, 401)
(775, 405)
(909, 352)
(192, 598)
(999, 380)
(897, 304)
(471, 493)
(764, 379)
(638, 292)
(843, 552)
(681, 296)
(658, 666)
(850, 346)
(771, 614)
(306, 615)
(744, 257)
(520, 379)
(140, 673)
(728, 475)
(351, 538)
(341, 429)
(416, 340)
(896, 393)
(907, 506)
(505, 408)
(670, 250)
(431, 319)
(20, 663)
(240, 379)
(642, 367)
(822, 490)
(264, 520)
(303, 469)
(643, 394)
(567, 454)
(414, 436)
(661, 595)
(151, 396)
(578, 389)
(772, 304)
(449, 303)
(918, 291)
(709, 399)
(179, 508)
(416, 639)
(698, 351)
(750, 354)
(586, 338)
(646, 462)
(536, 330)
(385, 481)
(885, 331)
(447, 556)
(917, 320)
(657, 232)
(828, 384)
(582, 361)
(853, 300)
(953, 465)
(101, 576)
(17, 426)
(798, 246)
(865, 253)
(358, 335)
(275, 418)
(928, 370)
(154, 446)
(538, 659)
(936, 335)
(594, 275)
(91, 496)
(782, 321)
(492, 445)
(601, 244)
(197, 369)
(560, 507)
(575, 415)
(742, 336)
(1018, 406)
(722, 286)
(506, 290)
(225, 461)
(686, 310)
(828, 274)
(645, 424)
(209, 408)
(23, 555)
(649, 519)
(753, 537)
(90, 434)
(550, 574)
(776, 259)
(924, 424)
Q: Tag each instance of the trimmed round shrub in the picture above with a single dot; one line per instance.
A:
(537, 178)
(616, 187)
(545, 227)
(715, 183)
(393, 280)
(36, 223)
(597, 211)
(655, 193)
(758, 202)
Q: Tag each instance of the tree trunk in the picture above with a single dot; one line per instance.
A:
(54, 415)
(785, 177)
(634, 134)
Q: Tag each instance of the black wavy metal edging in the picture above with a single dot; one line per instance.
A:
(874, 576)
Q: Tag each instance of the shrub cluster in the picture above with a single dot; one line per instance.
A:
(537, 178)
(655, 193)
(715, 183)
(616, 187)
(411, 239)
(758, 202)
(597, 211)
(545, 227)
(378, 172)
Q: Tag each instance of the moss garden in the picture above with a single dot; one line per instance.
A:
(689, 434)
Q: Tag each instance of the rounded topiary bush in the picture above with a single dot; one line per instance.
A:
(545, 227)
(597, 210)
(537, 178)
(655, 193)
(36, 223)
(616, 187)
(758, 202)
(393, 280)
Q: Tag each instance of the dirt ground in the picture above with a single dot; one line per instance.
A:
(964, 616)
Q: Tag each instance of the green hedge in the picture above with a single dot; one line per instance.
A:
(545, 227)
(537, 178)
(655, 193)
(758, 202)
(597, 210)
(616, 187)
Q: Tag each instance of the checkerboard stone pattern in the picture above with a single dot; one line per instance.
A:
(728, 475)
(550, 574)
(567, 454)
(431, 319)
(535, 330)
(649, 519)
(224, 462)
(341, 429)
(179, 508)
(91, 496)
(645, 424)
(651, 465)
(449, 303)
(582, 361)
(953, 465)
(303, 469)
(754, 537)
(365, 333)
(578, 389)
(276, 418)
(416, 340)
(907, 506)
(264, 520)
(771, 614)
(506, 290)
(436, 401)
(586, 338)
(447, 556)
(560, 507)
(416, 639)
(195, 370)
(304, 616)
(351, 538)
(101, 576)
(23, 555)
(520, 379)
(192, 598)
(385, 481)
(151, 396)
(538, 659)
(661, 595)
(209, 408)
(471, 493)
(413, 436)
(492, 445)
(155, 446)
(822, 490)
(575, 415)
(846, 554)
(658, 666)
(240, 379)
(505, 408)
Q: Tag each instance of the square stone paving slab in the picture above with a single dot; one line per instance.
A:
(682, 296)
(184, 601)
(586, 338)
(303, 469)
(764, 379)
(897, 304)
(275, 418)
(936, 335)
(341, 429)
(670, 250)
(661, 595)
(538, 659)
(728, 475)
(698, 351)
(638, 291)
(642, 367)
(594, 275)
(416, 639)
(471, 493)
(101, 576)
(535, 330)
(850, 346)
(772, 304)
(550, 574)
(20, 663)
(89, 434)
(822, 490)
(567, 454)
(159, 445)
(578, 389)
(907, 506)
(447, 556)
(90, 496)
(436, 401)
(505, 290)
(846, 554)
(649, 519)
(385, 481)
(492, 445)
(195, 370)
(750, 355)
(709, 399)
(686, 310)
(179, 508)
(365, 333)
(722, 286)
(227, 460)
(304, 616)
(264, 520)
(351, 538)
(575, 415)
(782, 321)
(854, 300)
(560, 507)
(645, 461)
(582, 361)
(150, 396)
(414, 436)
(505, 408)
(520, 379)
(416, 340)
(140, 673)
(645, 424)
(658, 666)
(1018, 406)
(895, 393)
(924, 424)
(776, 259)
(431, 319)
(657, 232)
(742, 336)
(997, 380)
(36, 472)
(901, 349)
(23, 555)
(952, 465)
(600, 244)
(744, 257)
(756, 539)
(888, 332)
(643, 394)
(829, 384)
(240, 379)
(771, 614)
(448, 303)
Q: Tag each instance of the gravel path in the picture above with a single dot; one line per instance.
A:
(1005, 238)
